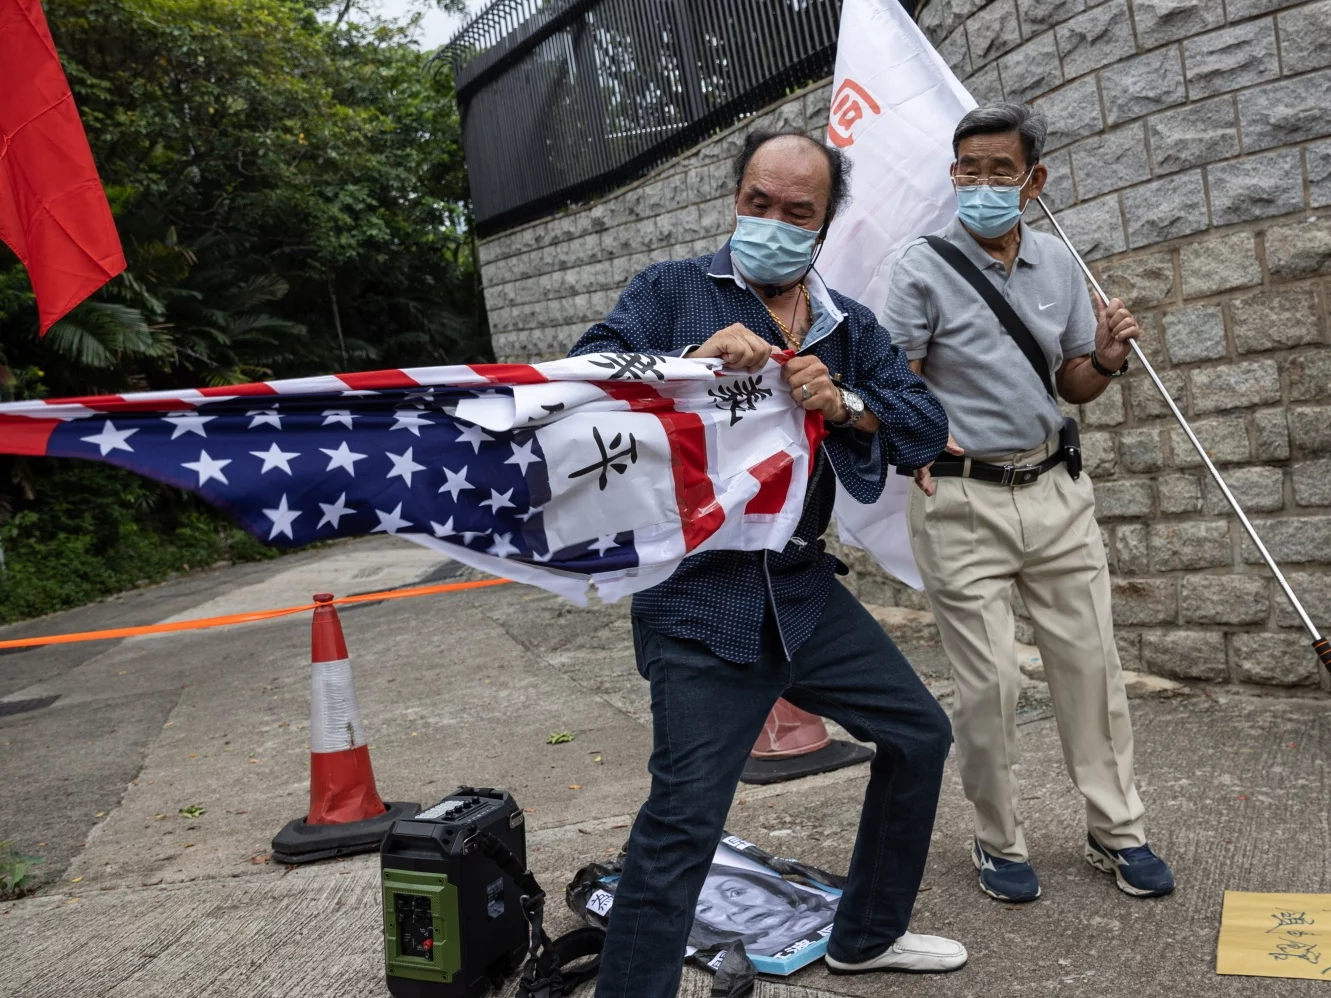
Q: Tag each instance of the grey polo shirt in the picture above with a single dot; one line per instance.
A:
(994, 401)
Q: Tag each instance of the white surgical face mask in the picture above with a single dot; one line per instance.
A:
(769, 251)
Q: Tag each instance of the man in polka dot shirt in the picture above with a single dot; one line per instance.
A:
(732, 631)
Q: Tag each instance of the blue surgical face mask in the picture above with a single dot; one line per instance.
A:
(989, 211)
(771, 252)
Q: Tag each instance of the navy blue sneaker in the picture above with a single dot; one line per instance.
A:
(1138, 870)
(1004, 879)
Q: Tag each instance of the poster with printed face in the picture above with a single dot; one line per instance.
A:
(784, 925)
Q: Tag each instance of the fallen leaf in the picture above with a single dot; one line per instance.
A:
(583, 831)
(261, 858)
(560, 737)
(189, 845)
(619, 826)
(158, 817)
(72, 901)
(415, 734)
(76, 880)
(597, 760)
(575, 786)
(121, 672)
(100, 814)
(254, 762)
(193, 811)
(168, 723)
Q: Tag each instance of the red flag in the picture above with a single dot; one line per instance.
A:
(53, 211)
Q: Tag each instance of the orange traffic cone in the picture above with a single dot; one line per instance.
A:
(795, 743)
(346, 813)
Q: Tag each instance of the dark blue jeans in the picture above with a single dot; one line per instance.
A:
(707, 713)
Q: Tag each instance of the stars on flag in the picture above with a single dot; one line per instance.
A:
(403, 466)
(522, 455)
(344, 457)
(474, 435)
(497, 514)
(283, 517)
(410, 419)
(496, 502)
(111, 439)
(455, 482)
(343, 416)
(390, 523)
(187, 422)
(275, 457)
(334, 511)
(208, 468)
(503, 546)
(269, 417)
(604, 543)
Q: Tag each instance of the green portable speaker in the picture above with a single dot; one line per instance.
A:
(453, 922)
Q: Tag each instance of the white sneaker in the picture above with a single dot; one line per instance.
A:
(911, 954)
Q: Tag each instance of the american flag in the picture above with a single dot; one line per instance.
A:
(608, 467)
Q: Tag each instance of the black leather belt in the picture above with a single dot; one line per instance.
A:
(949, 466)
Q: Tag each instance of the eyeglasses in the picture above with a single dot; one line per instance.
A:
(969, 181)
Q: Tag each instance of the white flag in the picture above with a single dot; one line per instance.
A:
(895, 104)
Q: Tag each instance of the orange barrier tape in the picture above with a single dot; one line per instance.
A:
(244, 618)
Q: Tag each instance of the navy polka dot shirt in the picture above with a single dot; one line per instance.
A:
(724, 598)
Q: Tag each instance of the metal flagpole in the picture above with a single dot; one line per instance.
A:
(1321, 645)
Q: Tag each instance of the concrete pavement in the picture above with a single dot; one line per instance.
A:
(464, 688)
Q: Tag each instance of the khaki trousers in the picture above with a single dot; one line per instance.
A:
(972, 540)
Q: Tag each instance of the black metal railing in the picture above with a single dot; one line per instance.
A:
(563, 100)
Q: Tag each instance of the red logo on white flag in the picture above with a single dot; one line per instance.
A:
(851, 104)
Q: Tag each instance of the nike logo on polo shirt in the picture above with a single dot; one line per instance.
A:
(1050, 305)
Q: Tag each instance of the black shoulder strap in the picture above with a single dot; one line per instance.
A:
(994, 299)
(546, 974)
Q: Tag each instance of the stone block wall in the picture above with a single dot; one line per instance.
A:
(548, 281)
(1190, 161)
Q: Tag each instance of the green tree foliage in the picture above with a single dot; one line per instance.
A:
(289, 188)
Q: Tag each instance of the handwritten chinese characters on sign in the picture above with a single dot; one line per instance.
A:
(1275, 935)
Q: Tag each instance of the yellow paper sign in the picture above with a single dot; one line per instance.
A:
(1275, 935)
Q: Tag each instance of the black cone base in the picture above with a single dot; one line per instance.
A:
(299, 842)
(837, 755)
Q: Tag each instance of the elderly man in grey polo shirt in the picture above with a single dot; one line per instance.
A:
(1005, 505)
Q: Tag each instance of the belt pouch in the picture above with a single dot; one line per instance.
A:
(1069, 442)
